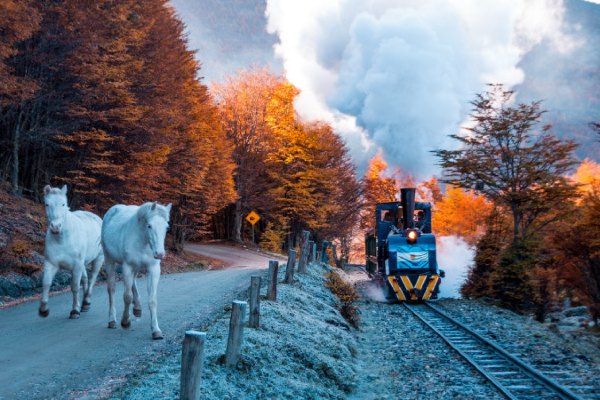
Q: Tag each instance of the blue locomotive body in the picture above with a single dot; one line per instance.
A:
(401, 251)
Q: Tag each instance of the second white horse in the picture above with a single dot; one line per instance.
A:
(134, 237)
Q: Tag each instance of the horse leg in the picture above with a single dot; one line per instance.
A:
(84, 285)
(96, 265)
(110, 287)
(137, 305)
(152, 277)
(49, 272)
(127, 295)
(78, 273)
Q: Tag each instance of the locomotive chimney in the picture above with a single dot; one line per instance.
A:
(407, 197)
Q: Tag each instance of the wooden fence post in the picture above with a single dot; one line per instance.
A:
(272, 288)
(192, 358)
(324, 255)
(303, 252)
(236, 333)
(313, 252)
(254, 316)
(318, 259)
(289, 269)
(310, 257)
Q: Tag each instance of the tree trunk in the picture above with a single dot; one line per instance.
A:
(237, 223)
(14, 173)
(516, 223)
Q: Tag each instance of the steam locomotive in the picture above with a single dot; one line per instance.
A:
(401, 252)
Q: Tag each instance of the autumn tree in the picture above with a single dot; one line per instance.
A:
(461, 213)
(20, 20)
(520, 169)
(119, 113)
(337, 190)
(242, 101)
(569, 261)
(306, 164)
(510, 163)
(378, 187)
(430, 191)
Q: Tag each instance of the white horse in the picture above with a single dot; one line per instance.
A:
(72, 243)
(134, 237)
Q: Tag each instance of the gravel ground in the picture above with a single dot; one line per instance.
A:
(568, 357)
(303, 350)
(400, 358)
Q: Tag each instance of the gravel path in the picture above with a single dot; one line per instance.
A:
(54, 357)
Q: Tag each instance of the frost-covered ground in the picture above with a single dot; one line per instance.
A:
(303, 350)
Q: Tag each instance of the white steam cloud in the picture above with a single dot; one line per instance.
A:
(397, 76)
(454, 256)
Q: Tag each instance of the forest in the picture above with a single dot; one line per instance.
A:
(107, 98)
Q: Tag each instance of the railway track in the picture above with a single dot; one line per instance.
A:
(514, 378)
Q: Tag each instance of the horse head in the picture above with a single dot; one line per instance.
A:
(55, 201)
(155, 221)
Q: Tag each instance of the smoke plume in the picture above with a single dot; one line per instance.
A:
(454, 256)
(397, 76)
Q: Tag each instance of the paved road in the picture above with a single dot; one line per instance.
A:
(60, 358)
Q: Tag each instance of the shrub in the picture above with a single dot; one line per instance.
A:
(347, 295)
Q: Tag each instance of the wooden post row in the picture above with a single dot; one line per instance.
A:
(289, 269)
(272, 288)
(236, 333)
(254, 317)
(192, 358)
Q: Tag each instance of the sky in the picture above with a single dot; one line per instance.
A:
(396, 76)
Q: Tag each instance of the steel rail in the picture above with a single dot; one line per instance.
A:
(527, 369)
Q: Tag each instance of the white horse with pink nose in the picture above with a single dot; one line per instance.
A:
(72, 243)
(134, 237)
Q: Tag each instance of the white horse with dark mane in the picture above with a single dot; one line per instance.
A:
(134, 237)
(72, 243)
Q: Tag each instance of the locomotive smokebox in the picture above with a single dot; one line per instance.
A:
(407, 197)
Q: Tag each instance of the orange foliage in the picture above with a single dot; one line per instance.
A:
(461, 213)
(587, 174)
(377, 188)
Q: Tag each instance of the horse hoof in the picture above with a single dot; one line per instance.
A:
(112, 325)
(137, 312)
(125, 323)
(74, 314)
(43, 313)
(85, 306)
(157, 335)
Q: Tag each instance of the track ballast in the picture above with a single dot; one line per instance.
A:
(514, 378)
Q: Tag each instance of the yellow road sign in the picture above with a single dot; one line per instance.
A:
(252, 217)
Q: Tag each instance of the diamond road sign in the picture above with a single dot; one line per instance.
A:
(252, 217)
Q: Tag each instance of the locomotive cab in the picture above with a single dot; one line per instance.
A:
(401, 252)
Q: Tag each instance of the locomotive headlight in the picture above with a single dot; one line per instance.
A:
(411, 236)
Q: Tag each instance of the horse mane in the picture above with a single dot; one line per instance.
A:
(145, 211)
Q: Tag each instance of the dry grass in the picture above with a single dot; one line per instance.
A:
(347, 295)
